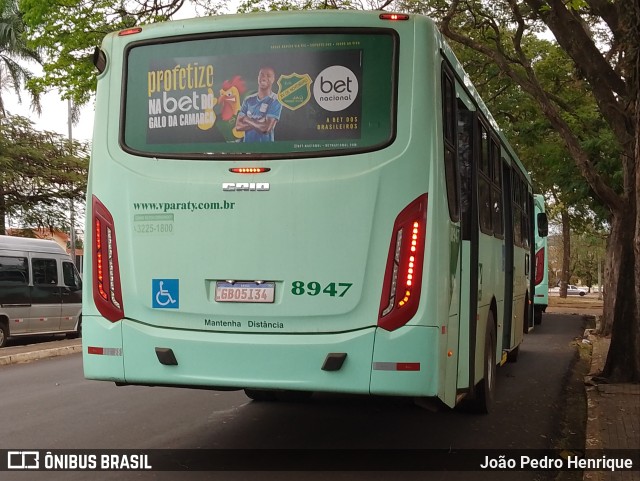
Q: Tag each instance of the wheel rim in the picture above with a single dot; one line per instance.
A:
(490, 369)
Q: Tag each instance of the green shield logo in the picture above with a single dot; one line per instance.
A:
(294, 90)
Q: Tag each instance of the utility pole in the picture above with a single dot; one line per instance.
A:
(72, 209)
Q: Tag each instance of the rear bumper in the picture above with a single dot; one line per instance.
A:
(376, 360)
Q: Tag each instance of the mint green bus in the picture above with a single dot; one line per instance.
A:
(541, 293)
(300, 202)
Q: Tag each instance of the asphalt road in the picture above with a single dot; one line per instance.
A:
(47, 404)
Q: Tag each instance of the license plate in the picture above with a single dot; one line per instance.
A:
(245, 292)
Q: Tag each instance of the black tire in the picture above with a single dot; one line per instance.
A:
(78, 333)
(485, 389)
(581, 294)
(512, 356)
(4, 334)
(537, 316)
(525, 319)
(260, 395)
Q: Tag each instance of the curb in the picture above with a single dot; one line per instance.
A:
(35, 355)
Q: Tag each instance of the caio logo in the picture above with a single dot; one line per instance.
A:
(335, 88)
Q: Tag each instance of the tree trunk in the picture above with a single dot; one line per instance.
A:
(634, 329)
(635, 34)
(620, 301)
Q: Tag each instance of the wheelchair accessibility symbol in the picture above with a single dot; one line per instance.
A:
(165, 293)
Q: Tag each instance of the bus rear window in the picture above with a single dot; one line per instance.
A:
(260, 96)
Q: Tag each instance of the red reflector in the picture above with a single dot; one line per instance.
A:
(95, 350)
(396, 366)
(408, 366)
(129, 31)
(394, 16)
(249, 170)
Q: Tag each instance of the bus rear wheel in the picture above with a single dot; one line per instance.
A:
(4, 333)
(537, 315)
(260, 395)
(485, 389)
(293, 396)
(78, 332)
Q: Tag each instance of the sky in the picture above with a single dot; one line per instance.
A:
(54, 114)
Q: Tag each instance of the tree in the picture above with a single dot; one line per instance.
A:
(39, 174)
(581, 28)
(13, 50)
(588, 252)
(540, 148)
(67, 31)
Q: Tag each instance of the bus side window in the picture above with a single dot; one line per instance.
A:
(465, 159)
(517, 207)
(485, 208)
(526, 228)
(496, 190)
(449, 120)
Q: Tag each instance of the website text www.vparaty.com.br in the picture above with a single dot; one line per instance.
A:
(182, 206)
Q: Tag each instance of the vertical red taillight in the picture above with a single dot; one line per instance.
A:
(539, 266)
(403, 276)
(107, 293)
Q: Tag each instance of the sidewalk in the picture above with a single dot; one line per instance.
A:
(32, 352)
(613, 414)
(613, 410)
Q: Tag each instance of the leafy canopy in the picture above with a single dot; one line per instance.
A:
(40, 172)
(67, 31)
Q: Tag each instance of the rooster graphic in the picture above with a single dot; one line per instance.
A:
(229, 105)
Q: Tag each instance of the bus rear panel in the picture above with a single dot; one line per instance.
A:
(267, 209)
(541, 299)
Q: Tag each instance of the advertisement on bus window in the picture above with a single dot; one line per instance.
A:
(260, 94)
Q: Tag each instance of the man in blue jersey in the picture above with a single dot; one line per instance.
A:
(261, 111)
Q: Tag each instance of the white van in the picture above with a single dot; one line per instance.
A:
(40, 289)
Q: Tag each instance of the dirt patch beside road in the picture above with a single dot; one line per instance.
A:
(588, 305)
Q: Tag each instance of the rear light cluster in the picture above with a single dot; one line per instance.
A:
(129, 31)
(107, 293)
(539, 266)
(403, 276)
(394, 16)
(249, 170)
